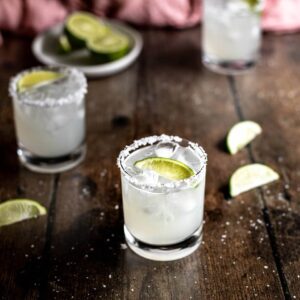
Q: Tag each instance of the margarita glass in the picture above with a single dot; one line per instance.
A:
(49, 118)
(163, 216)
(231, 34)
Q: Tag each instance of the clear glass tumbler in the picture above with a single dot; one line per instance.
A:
(50, 119)
(231, 34)
(163, 217)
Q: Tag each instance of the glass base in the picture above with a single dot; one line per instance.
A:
(164, 253)
(51, 165)
(228, 67)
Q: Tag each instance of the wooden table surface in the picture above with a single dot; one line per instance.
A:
(251, 247)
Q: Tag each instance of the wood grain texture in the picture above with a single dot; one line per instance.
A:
(270, 96)
(22, 245)
(250, 248)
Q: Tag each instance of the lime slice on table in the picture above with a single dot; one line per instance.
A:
(242, 134)
(80, 26)
(37, 78)
(168, 168)
(17, 210)
(109, 48)
(249, 177)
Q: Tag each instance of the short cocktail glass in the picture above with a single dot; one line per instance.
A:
(231, 34)
(50, 120)
(163, 218)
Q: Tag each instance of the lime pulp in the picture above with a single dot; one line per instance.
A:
(16, 210)
(111, 47)
(37, 78)
(80, 26)
(249, 177)
(168, 168)
(242, 134)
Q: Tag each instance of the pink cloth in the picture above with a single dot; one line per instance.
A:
(281, 15)
(32, 16)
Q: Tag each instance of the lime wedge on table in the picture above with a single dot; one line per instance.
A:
(37, 78)
(242, 134)
(80, 26)
(168, 168)
(17, 210)
(111, 47)
(249, 177)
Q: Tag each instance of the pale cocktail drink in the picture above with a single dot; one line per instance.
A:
(49, 116)
(163, 182)
(231, 34)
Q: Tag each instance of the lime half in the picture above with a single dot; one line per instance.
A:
(37, 78)
(242, 134)
(13, 211)
(80, 26)
(168, 168)
(111, 47)
(249, 177)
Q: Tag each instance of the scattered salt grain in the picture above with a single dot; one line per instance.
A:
(103, 173)
(123, 246)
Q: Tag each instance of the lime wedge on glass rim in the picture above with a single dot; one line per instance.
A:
(16, 210)
(242, 134)
(249, 177)
(36, 79)
(168, 168)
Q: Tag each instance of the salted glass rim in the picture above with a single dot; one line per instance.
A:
(151, 140)
(79, 93)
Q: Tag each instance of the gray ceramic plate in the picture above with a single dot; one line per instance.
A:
(45, 49)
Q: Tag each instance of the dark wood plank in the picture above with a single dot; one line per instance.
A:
(194, 103)
(22, 245)
(167, 91)
(270, 96)
(87, 258)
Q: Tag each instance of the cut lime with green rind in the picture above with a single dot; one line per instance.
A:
(109, 48)
(255, 6)
(252, 3)
(242, 134)
(37, 78)
(81, 26)
(64, 44)
(168, 168)
(17, 210)
(249, 177)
